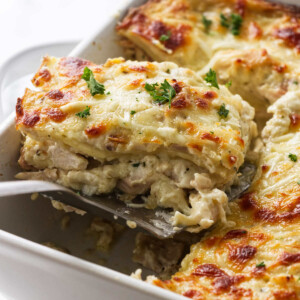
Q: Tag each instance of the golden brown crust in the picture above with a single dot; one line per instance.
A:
(272, 212)
(260, 59)
(259, 257)
(139, 20)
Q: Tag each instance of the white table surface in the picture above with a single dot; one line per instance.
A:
(26, 23)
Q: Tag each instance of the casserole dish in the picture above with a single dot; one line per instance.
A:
(42, 225)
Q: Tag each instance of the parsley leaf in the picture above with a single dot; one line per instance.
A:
(151, 89)
(94, 86)
(132, 112)
(293, 157)
(223, 112)
(298, 182)
(168, 91)
(211, 77)
(84, 113)
(228, 84)
(234, 23)
(165, 37)
(261, 265)
(163, 94)
(207, 23)
(237, 21)
(224, 21)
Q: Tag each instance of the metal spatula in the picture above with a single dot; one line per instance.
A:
(156, 221)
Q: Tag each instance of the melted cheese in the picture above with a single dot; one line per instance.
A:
(258, 257)
(183, 130)
(189, 135)
(261, 61)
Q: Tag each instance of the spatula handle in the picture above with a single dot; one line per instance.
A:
(19, 187)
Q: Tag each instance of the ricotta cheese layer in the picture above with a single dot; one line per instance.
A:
(180, 153)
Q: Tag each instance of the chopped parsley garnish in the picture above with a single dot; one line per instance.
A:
(223, 112)
(84, 113)
(108, 93)
(298, 182)
(161, 94)
(237, 21)
(234, 23)
(228, 84)
(132, 112)
(94, 86)
(224, 21)
(211, 77)
(295, 82)
(260, 265)
(168, 71)
(207, 23)
(135, 165)
(211, 132)
(293, 157)
(165, 37)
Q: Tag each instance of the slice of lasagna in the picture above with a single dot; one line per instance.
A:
(259, 257)
(136, 128)
(254, 44)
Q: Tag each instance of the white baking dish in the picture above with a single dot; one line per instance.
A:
(31, 271)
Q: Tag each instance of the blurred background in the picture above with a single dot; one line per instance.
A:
(30, 29)
(26, 23)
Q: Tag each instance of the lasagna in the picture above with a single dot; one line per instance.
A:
(258, 257)
(255, 44)
(144, 129)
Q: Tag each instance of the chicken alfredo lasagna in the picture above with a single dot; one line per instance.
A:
(136, 128)
(259, 257)
(254, 44)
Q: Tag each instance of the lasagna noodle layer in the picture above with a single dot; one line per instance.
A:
(126, 135)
